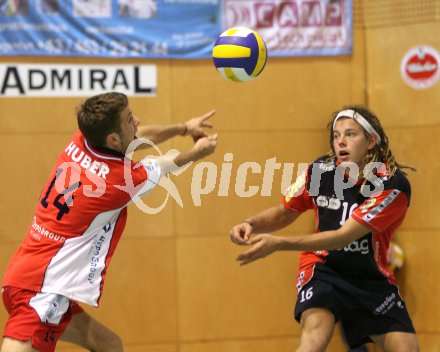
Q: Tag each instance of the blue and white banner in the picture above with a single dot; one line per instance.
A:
(184, 29)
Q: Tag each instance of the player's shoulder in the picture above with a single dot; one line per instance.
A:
(398, 181)
(324, 163)
(325, 159)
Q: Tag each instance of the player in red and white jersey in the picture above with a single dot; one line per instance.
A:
(360, 197)
(78, 222)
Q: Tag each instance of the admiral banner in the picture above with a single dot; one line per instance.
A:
(50, 80)
(182, 29)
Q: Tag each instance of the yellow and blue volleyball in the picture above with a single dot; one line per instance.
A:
(396, 257)
(239, 54)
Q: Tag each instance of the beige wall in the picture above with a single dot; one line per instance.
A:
(412, 121)
(173, 284)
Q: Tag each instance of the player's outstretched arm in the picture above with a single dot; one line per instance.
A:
(194, 127)
(203, 147)
(265, 244)
(269, 220)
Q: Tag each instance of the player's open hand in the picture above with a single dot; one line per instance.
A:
(196, 126)
(262, 246)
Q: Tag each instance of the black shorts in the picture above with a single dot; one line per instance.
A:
(364, 307)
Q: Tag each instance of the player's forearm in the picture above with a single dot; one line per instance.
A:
(272, 219)
(172, 162)
(326, 240)
(158, 134)
(314, 242)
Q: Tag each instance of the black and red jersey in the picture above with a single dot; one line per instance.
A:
(379, 203)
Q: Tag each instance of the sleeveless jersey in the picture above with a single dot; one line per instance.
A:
(78, 221)
(379, 204)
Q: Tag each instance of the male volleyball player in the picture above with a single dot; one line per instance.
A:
(78, 222)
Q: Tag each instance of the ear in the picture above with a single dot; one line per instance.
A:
(113, 141)
(372, 141)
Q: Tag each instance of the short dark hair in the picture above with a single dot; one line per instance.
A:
(99, 116)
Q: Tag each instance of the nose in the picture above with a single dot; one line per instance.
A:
(136, 121)
(341, 140)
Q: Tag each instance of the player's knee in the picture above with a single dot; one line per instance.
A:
(397, 342)
(314, 340)
(313, 343)
(12, 345)
(317, 326)
(413, 347)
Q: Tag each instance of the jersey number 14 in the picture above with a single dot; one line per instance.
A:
(63, 208)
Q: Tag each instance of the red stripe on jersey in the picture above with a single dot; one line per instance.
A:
(378, 212)
(297, 197)
(382, 214)
(304, 276)
(381, 244)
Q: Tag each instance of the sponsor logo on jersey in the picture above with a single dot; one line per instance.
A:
(300, 282)
(387, 304)
(368, 204)
(327, 202)
(295, 187)
(107, 227)
(379, 208)
(327, 166)
(95, 256)
(37, 231)
(322, 201)
(357, 246)
(334, 203)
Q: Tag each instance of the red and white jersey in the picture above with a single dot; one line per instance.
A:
(382, 211)
(78, 221)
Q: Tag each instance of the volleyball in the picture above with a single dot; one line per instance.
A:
(239, 54)
(395, 257)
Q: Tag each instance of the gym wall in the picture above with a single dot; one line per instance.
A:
(173, 284)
